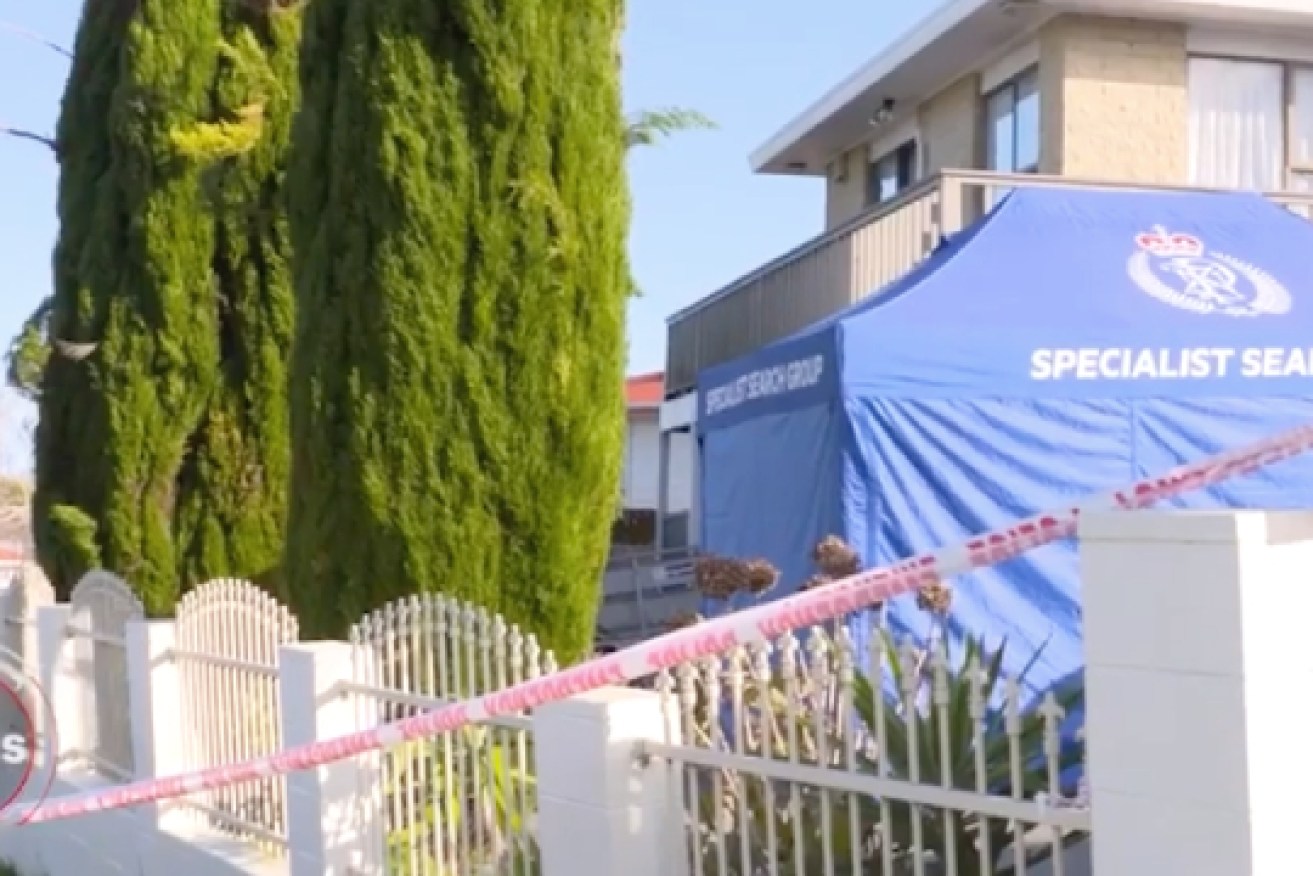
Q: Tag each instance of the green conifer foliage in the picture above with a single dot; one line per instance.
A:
(161, 447)
(460, 210)
(232, 500)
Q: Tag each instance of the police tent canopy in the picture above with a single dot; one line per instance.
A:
(1070, 341)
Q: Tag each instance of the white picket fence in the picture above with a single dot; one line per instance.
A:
(811, 755)
(797, 761)
(464, 801)
(101, 607)
(228, 633)
(779, 750)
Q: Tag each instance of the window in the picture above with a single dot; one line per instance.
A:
(1301, 130)
(1236, 124)
(891, 173)
(1012, 125)
(1251, 125)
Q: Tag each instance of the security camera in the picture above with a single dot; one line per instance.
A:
(884, 113)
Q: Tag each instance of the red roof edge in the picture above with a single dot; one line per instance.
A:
(645, 390)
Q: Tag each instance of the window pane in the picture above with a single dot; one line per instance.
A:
(1301, 135)
(877, 182)
(1027, 130)
(872, 183)
(888, 177)
(1000, 147)
(1237, 129)
(892, 173)
(906, 164)
(1302, 182)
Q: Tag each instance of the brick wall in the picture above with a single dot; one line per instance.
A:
(1114, 101)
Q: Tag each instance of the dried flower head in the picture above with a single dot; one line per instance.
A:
(762, 576)
(936, 598)
(815, 582)
(719, 577)
(683, 620)
(835, 558)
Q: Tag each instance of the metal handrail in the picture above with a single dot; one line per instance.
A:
(954, 199)
(909, 195)
(937, 182)
(644, 557)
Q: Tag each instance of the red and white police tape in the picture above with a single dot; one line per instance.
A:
(761, 624)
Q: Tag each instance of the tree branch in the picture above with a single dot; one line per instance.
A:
(649, 126)
(35, 38)
(19, 133)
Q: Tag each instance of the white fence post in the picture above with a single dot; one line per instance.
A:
(333, 828)
(28, 590)
(599, 812)
(61, 679)
(155, 703)
(1197, 671)
(36, 593)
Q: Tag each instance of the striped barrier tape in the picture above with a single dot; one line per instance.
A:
(763, 623)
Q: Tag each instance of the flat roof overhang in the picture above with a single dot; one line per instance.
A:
(963, 35)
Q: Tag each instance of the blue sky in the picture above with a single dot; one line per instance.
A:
(701, 217)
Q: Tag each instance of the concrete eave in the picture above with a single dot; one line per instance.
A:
(931, 56)
(1248, 13)
(962, 36)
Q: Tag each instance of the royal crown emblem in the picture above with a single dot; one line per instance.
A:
(1162, 244)
(1178, 270)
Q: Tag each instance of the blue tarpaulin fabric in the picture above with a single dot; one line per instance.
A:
(1069, 342)
(812, 437)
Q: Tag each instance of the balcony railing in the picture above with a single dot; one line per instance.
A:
(848, 263)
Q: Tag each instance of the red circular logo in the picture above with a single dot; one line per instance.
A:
(27, 740)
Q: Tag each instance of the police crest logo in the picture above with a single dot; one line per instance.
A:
(1178, 270)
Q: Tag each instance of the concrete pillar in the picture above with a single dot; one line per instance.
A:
(1197, 678)
(159, 724)
(334, 823)
(599, 812)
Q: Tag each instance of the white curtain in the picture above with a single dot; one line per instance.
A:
(1237, 124)
(1301, 134)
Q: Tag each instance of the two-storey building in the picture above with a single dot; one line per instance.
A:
(987, 95)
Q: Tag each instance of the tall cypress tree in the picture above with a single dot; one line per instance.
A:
(232, 498)
(161, 443)
(460, 211)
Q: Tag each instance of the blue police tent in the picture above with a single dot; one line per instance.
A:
(1069, 342)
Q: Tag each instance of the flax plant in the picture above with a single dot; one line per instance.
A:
(460, 807)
